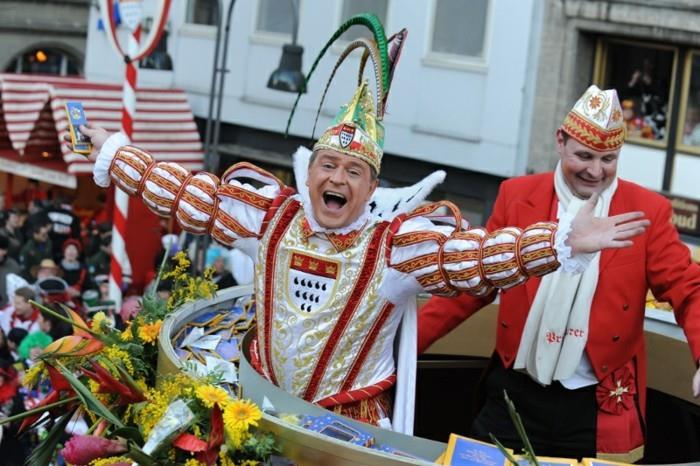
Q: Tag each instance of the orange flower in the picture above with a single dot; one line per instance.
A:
(81, 343)
(149, 332)
(72, 345)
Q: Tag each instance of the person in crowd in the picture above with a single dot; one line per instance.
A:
(36, 249)
(21, 314)
(5, 350)
(216, 258)
(65, 224)
(13, 231)
(99, 263)
(97, 231)
(73, 270)
(53, 326)
(570, 348)
(32, 346)
(7, 266)
(14, 448)
(327, 261)
(47, 269)
(14, 339)
(102, 283)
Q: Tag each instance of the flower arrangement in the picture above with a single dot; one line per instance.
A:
(136, 415)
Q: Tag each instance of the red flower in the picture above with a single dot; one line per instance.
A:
(216, 438)
(189, 443)
(59, 384)
(616, 392)
(82, 449)
(127, 392)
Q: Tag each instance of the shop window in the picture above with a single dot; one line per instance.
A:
(44, 61)
(689, 128)
(204, 12)
(459, 29)
(276, 17)
(643, 76)
(353, 7)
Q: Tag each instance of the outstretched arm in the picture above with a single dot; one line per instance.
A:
(449, 260)
(229, 210)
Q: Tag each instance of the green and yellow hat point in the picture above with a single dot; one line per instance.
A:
(355, 130)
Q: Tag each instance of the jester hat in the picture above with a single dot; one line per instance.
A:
(357, 129)
(596, 120)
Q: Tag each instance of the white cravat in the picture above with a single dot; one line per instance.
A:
(556, 329)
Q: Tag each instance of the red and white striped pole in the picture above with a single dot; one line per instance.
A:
(120, 264)
(131, 17)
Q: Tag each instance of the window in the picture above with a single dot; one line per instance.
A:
(203, 12)
(643, 76)
(45, 61)
(459, 29)
(353, 7)
(276, 16)
(690, 115)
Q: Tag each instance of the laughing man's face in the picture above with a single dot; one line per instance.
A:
(339, 187)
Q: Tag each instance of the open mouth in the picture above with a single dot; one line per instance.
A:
(333, 200)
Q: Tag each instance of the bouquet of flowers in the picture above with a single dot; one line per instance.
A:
(137, 416)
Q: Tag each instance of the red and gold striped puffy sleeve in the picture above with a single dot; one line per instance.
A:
(227, 209)
(448, 259)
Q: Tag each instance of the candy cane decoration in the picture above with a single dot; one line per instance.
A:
(120, 265)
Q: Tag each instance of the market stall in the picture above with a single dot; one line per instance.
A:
(33, 123)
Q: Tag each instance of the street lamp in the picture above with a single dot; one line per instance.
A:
(288, 76)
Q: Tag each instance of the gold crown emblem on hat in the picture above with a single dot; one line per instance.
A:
(355, 130)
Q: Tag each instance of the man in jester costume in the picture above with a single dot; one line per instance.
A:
(339, 262)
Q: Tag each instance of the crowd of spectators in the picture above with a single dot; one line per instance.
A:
(50, 256)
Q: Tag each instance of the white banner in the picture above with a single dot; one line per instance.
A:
(46, 175)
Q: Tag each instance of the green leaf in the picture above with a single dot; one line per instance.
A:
(518, 423)
(129, 433)
(43, 453)
(34, 411)
(88, 399)
(503, 449)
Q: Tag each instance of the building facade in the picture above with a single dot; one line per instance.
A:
(649, 50)
(461, 99)
(45, 37)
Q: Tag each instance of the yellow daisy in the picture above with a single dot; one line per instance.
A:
(210, 395)
(239, 415)
(148, 333)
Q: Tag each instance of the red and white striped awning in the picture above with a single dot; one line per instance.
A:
(33, 122)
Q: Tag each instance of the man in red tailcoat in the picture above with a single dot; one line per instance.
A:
(570, 349)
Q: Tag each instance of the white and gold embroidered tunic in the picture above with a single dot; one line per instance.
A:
(329, 303)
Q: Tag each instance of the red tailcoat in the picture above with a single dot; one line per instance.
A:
(658, 261)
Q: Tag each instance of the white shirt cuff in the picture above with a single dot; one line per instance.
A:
(571, 264)
(100, 173)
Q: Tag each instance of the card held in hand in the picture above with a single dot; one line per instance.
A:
(76, 117)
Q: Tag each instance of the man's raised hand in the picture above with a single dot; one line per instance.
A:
(592, 234)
